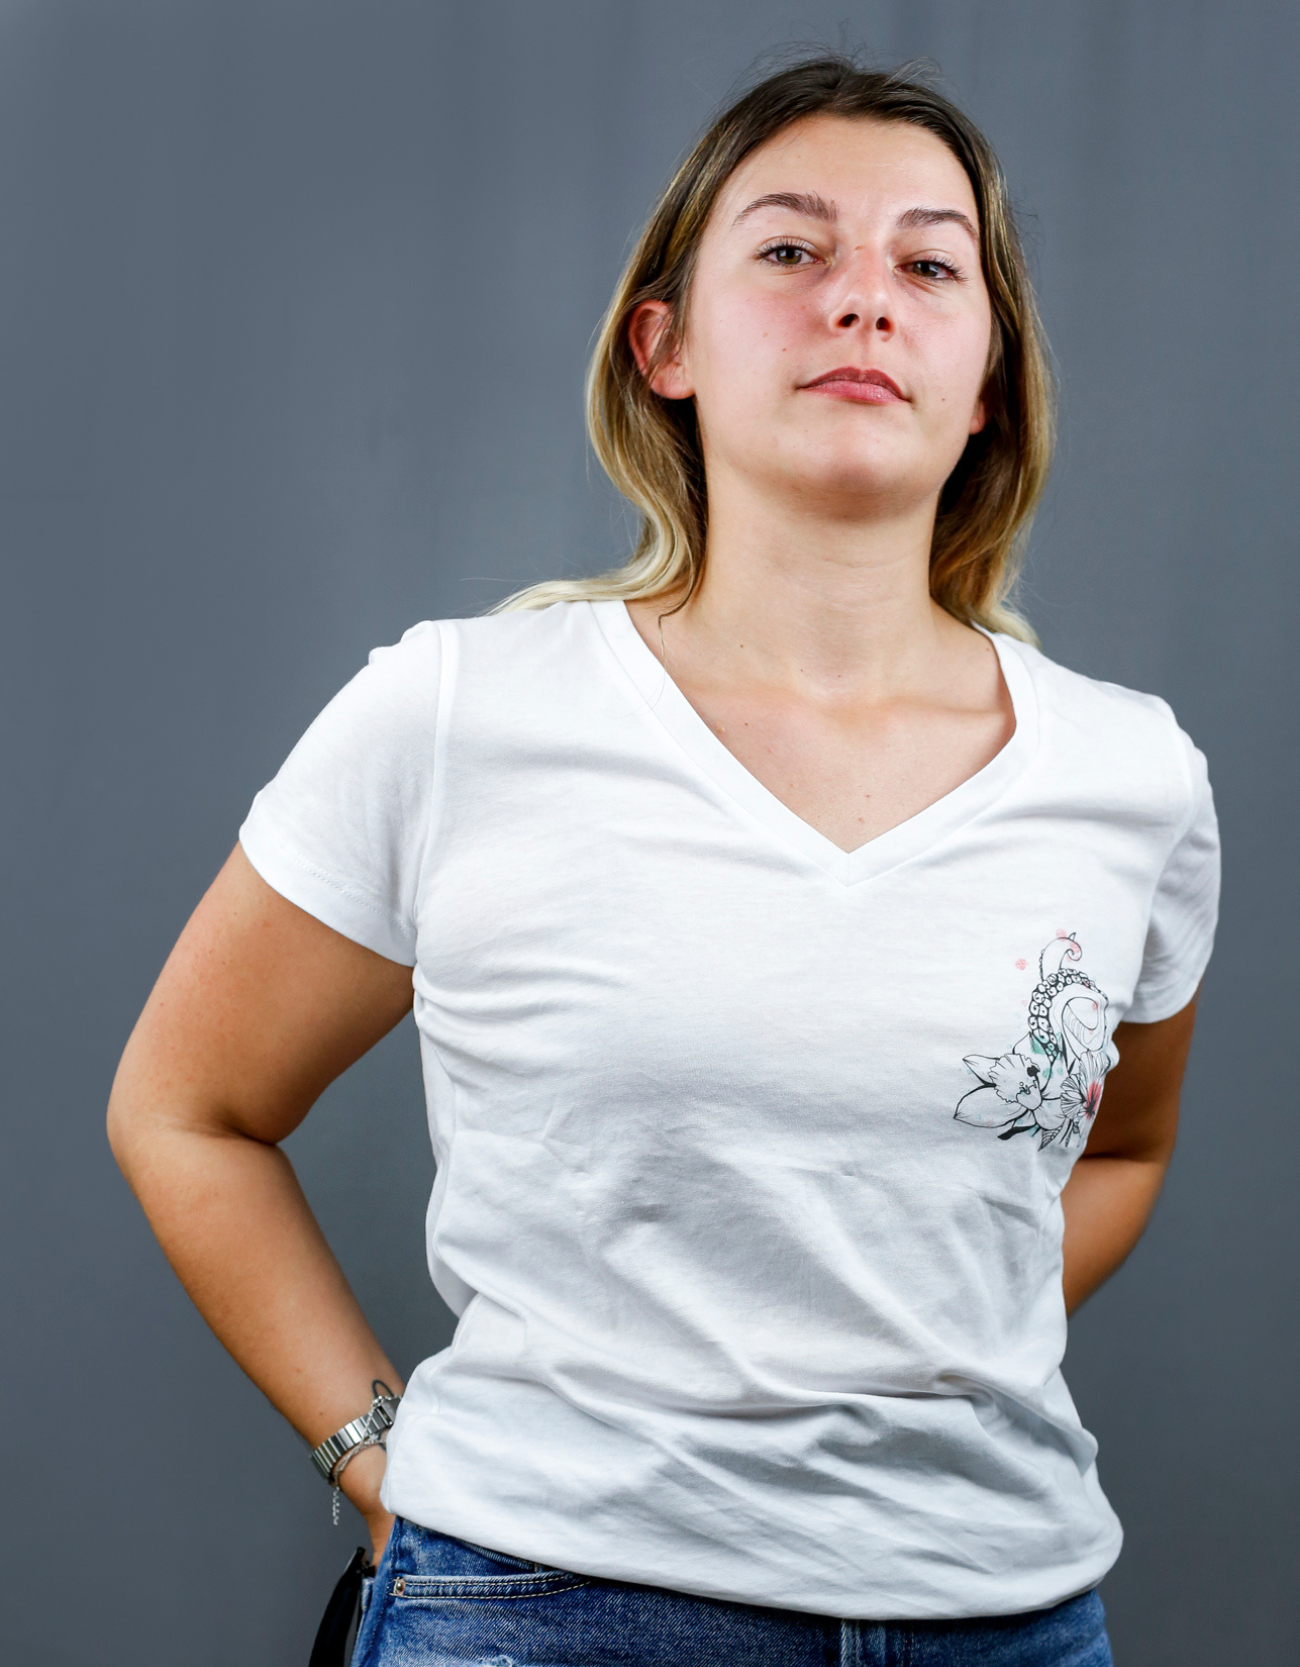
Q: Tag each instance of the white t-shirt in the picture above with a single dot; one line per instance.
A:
(749, 1151)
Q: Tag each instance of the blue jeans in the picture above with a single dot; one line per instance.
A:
(439, 1600)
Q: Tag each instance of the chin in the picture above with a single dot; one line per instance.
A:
(883, 470)
(859, 481)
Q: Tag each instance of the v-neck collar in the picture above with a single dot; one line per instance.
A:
(678, 718)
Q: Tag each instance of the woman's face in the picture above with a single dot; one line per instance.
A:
(838, 323)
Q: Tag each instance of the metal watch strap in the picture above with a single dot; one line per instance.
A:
(368, 1428)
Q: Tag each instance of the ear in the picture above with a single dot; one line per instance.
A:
(979, 417)
(646, 329)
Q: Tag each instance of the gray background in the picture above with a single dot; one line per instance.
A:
(294, 305)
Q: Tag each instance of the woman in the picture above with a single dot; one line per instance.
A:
(772, 912)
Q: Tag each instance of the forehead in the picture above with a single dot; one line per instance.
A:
(863, 165)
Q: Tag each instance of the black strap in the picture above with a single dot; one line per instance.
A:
(336, 1626)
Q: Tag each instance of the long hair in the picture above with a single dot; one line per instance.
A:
(650, 446)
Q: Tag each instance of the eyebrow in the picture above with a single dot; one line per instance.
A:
(814, 207)
(936, 217)
(800, 202)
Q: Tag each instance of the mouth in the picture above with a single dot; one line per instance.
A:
(863, 387)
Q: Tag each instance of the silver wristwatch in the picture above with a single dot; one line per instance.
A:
(367, 1431)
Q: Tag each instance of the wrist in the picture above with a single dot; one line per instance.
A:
(362, 1478)
(335, 1456)
(367, 1429)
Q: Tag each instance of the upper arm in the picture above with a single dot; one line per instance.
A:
(1139, 1108)
(258, 1008)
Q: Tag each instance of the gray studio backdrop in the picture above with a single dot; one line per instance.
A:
(294, 305)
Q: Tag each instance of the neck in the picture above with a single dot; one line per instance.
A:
(817, 602)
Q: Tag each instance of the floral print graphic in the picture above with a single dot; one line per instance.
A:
(1050, 1081)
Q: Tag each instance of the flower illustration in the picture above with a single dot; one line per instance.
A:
(1010, 1090)
(1049, 1082)
(1080, 1101)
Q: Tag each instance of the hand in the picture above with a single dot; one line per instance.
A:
(360, 1481)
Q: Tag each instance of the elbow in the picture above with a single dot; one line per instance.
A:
(122, 1127)
(132, 1122)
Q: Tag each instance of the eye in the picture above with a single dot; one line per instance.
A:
(787, 254)
(933, 268)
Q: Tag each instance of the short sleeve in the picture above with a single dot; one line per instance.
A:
(1185, 907)
(341, 829)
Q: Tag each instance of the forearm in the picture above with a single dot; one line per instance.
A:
(1107, 1201)
(258, 1009)
(234, 1224)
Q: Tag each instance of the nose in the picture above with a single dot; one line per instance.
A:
(847, 320)
(864, 300)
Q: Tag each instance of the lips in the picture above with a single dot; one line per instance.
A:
(867, 387)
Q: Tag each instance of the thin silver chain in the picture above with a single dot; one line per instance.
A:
(370, 1441)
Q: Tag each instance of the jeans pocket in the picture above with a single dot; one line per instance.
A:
(426, 1564)
(407, 1589)
(444, 1599)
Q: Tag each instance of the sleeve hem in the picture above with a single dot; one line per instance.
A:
(328, 900)
(1149, 1010)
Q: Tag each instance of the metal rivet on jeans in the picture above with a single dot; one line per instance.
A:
(399, 1586)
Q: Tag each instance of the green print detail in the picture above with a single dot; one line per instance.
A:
(1050, 1082)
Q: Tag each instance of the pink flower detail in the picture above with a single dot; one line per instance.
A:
(1081, 1098)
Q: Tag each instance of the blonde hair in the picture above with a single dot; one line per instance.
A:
(650, 446)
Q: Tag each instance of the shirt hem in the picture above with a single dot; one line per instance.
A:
(1151, 1010)
(1006, 1595)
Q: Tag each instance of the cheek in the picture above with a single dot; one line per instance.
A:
(955, 352)
(744, 341)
